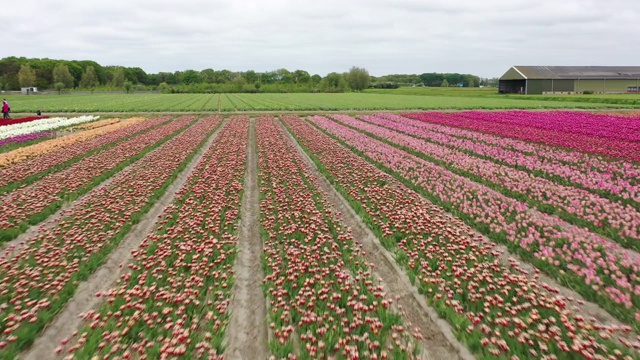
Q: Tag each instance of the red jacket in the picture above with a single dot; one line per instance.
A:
(5, 107)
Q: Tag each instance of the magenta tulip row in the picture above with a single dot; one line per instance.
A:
(24, 169)
(618, 177)
(176, 294)
(599, 211)
(27, 201)
(42, 275)
(497, 310)
(26, 137)
(315, 272)
(611, 271)
(549, 128)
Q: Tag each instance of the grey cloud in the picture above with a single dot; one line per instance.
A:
(384, 36)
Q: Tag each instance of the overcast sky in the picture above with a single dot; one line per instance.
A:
(481, 37)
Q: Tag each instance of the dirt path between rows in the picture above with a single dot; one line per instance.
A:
(85, 299)
(438, 340)
(247, 331)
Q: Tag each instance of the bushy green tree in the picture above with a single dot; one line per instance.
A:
(59, 87)
(118, 77)
(128, 86)
(358, 79)
(62, 75)
(26, 76)
(89, 78)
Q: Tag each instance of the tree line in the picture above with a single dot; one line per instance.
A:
(87, 75)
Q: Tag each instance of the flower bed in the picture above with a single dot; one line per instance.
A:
(614, 136)
(31, 204)
(597, 268)
(323, 301)
(42, 125)
(42, 276)
(173, 301)
(577, 206)
(496, 310)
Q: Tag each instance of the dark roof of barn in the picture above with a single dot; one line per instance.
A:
(579, 72)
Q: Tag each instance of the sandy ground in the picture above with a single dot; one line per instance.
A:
(247, 331)
(85, 299)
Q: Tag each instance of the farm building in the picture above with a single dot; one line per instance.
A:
(570, 79)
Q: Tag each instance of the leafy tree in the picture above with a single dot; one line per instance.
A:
(301, 77)
(59, 86)
(257, 85)
(207, 76)
(358, 78)
(444, 83)
(89, 78)
(128, 86)
(118, 77)
(163, 87)
(251, 76)
(62, 75)
(26, 76)
(190, 77)
(316, 79)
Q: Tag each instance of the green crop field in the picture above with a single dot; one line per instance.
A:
(409, 99)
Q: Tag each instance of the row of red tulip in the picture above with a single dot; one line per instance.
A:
(617, 178)
(497, 311)
(18, 173)
(577, 206)
(12, 121)
(38, 280)
(323, 301)
(26, 202)
(173, 301)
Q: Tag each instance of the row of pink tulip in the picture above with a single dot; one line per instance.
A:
(593, 173)
(17, 173)
(599, 212)
(521, 125)
(320, 291)
(173, 301)
(498, 311)
(42, 275)
(25, 202)
(597, 266)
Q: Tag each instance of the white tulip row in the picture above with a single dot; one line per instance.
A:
(42, 125)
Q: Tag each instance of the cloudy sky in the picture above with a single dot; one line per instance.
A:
(481, 37)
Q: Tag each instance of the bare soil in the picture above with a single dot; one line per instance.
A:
(438, 341)
(247, 331)
(85, 299)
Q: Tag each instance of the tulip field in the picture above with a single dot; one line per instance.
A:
(424, 235)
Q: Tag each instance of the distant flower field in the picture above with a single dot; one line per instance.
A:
(503, 234)
(143, 102)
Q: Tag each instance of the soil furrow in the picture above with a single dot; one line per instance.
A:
(247, 332)
(85, 299)
(438, 341)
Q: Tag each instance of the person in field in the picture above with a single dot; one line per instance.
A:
(5, 109)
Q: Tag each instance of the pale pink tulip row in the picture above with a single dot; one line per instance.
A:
(592, 172)
(590, 207)
(602, 264)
